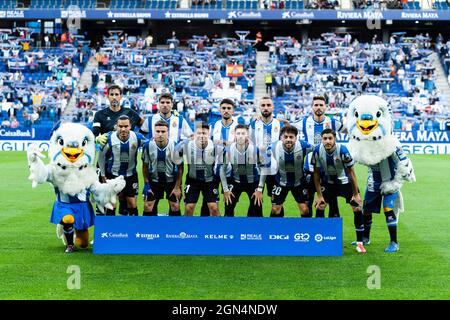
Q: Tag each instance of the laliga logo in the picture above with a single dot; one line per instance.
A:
(318, 237)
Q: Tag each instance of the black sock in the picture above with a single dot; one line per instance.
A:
(333, 209)
(282, 212)
(359, 225)
(391, 221)
(149, 214)
(229, 211)
(367, 225)
(155, 208)
(204, 212)
(133, 211)
(320, 213)
(68, 232)
(175, 213)
(110, 212)
(123, 207)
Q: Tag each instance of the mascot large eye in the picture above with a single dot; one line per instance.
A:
(85, 141)
(356, 114)
(378, 114)
(60, 141)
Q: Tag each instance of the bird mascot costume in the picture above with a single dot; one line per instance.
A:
(373, 144)
(71, 172)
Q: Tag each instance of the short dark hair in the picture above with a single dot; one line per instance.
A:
(201, 125)
(289, 129)
(124, 117)
(328, 131)
(114, 87)
(161, 123)
(241, 126)
(165, 96)
(227, 101)
(319, 98)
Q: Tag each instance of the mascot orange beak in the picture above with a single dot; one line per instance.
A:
(72, 154)
(367, 126)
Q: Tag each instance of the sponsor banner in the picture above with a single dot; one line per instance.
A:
(180, 14)
(218, 236)
(22, 145)
(428, 137)
(25, 134)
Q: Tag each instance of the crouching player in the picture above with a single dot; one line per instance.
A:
(160, 172)
(289, 154)
(245, 161)
(201, 157)
(339, 180)
(118, 157)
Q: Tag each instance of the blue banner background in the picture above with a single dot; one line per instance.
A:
(218, 236)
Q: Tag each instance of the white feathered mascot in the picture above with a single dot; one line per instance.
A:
(372, 143)
(71, 171)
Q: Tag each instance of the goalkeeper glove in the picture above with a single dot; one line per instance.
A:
(101, 139)
(146, 188)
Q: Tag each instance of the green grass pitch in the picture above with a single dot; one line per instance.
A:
(33, 265)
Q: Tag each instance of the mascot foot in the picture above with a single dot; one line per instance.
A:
(392, 247)
(70, 249)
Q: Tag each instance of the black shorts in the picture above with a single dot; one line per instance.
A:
(131, 187)
(331, 191)
(159, 189)
(209, 190)
(279, 193)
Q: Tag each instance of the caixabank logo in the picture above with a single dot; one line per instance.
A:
(114, 235)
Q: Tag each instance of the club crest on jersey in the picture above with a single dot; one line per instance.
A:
(133, 146)
(174, 124)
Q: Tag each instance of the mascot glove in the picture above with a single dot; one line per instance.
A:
(118, 184)
(146, 188)
(390, 187)
(101, 139)
(33, 153)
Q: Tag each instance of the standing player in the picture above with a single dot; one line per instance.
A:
(160, 172)
(106, 119)
(245, 162)
(179, 128)
(201, 157)
(222, 134)
(338, 180)
(118, 157)
(264, 132)
(289, 154)
(310, 129)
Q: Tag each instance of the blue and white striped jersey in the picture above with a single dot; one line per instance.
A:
(310, 131)
(385, 170)
(201, 162)
(219, 132)
(161, 166)
(245, 166)
(333, 165)
(290, 164)
(120, 157)
(179, 128)
(264, 134)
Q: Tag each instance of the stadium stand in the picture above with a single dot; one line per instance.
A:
(36, 83)
(8, 4)
(332, 66)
